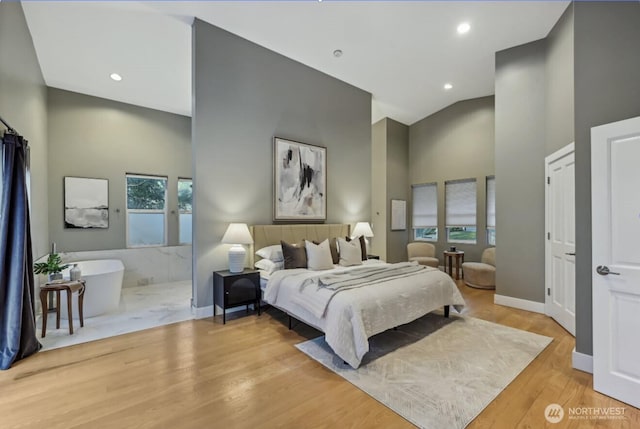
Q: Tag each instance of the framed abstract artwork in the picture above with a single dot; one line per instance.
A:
(300, 181)
(86, 203)
(398, 215)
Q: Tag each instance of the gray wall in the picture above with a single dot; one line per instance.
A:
(95, 137)
(23, 98)
(455, 143)
(520, 151)
(559, 105)
(398, 187)
(244, 95)
(607, 89)
(379, 208)
(390, 181)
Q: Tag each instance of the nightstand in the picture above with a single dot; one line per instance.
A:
(235, 289)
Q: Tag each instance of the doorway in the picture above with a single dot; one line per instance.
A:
(560, 243)
(615, 228)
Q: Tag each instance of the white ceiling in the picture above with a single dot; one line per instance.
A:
(400, 52)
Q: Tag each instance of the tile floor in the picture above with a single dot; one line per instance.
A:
(141, 307)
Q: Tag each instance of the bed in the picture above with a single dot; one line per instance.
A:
(353, 315)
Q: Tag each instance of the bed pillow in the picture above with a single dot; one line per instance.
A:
(333, 246)
(295, 255)
(318, 255)
(273, 253)
(269, 266)
(363, 246)
(350, 253)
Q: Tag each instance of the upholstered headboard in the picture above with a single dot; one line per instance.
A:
(266, 235)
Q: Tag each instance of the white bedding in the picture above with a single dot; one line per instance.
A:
(354, 315)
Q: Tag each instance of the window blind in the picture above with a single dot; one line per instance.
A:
(460, 202)
(491, 202)
(425, 206)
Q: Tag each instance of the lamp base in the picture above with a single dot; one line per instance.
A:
(236, 258)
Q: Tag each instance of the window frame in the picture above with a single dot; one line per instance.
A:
(413, 203)
(449, 227)
(147, 211)
(491, 229)
(181, 212)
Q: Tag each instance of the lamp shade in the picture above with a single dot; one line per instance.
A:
(237, 233)
(362, 228)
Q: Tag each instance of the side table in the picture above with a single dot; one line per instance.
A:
(235, 289)
(69, 287)
(448, 260)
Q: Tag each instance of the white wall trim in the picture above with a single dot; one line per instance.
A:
(582, 361)
(522, 304)
(205, 312)
(202, 312)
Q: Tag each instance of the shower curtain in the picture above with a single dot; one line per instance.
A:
(17, 307)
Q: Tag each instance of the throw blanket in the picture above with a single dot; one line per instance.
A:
(316, 299)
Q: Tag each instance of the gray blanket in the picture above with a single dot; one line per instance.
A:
(366, 275)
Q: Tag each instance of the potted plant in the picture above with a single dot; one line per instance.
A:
(53, 267)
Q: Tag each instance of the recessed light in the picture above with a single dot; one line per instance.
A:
(337, 53)
(448, 86)
(464, 28)
(116, 77)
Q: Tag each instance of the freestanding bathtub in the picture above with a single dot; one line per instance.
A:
(103, 285)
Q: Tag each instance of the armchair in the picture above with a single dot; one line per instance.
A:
(423, 253)
(481, 275)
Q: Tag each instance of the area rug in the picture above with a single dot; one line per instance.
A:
(437, 372)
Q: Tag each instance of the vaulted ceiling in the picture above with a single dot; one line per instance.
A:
(401, 52)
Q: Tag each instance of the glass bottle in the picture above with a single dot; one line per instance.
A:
(75, 273)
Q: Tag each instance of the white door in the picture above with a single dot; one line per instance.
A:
(615, 209)
(560, 259)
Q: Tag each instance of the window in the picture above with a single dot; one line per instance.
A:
(491, 210)
(460, 205)
(184, 210)
(425, 212)
(146, 211)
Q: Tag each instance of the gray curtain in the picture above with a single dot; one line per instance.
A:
(17, 307)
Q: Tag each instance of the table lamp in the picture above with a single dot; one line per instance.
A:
(237, 234)
(364, 229)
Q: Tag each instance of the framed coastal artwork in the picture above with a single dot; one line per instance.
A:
(86, 203)
(300, 181)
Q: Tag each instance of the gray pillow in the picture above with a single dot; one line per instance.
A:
(295, 255)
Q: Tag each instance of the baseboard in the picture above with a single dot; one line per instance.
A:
(522, 304)
(582, 361)
(202, 312)
(205, 312)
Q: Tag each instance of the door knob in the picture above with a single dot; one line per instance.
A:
(603, 270)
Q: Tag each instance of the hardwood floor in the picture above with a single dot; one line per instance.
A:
(247, 374)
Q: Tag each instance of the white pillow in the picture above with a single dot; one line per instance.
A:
(350, 252)
(269, 266)
(273, 253)
(318, 256)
